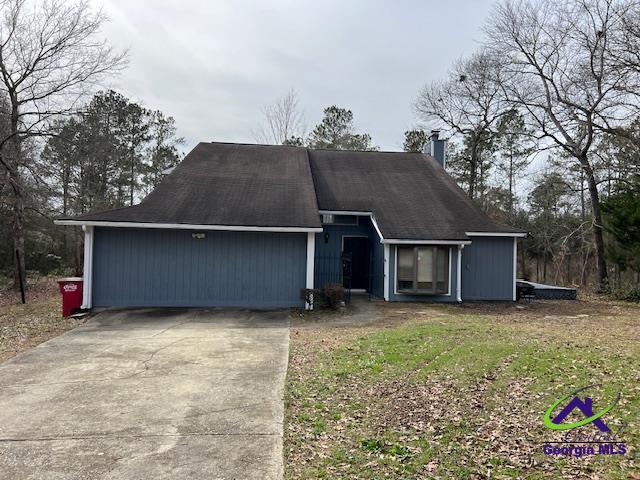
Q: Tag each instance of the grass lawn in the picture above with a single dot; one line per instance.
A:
(459, 392)
(25, 326)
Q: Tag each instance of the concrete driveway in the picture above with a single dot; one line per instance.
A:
(149, 394)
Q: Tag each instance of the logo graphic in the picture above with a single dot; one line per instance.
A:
(580, 443)
(585, 406)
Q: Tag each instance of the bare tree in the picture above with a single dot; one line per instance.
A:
(50, 57)
(559, 71)
(283, 121)
(468, 103)
(515, 148)
(626, 45)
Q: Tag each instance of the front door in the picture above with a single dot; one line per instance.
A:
(355, 265)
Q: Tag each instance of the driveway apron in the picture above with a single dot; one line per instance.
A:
(149, 394)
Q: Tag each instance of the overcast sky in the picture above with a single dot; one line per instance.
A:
(214, 65)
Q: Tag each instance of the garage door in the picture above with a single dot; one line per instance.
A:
(156, 267)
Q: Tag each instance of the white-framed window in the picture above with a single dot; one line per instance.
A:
(330, 218)
(422, 269)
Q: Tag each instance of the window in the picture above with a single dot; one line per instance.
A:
(423, 269)
(340, 219)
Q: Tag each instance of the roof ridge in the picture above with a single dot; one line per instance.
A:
(254, 144)
(398, 152)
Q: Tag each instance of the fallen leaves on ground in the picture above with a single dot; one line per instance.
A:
(474, 409)
(24, 326)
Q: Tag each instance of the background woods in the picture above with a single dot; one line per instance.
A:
(49, 57)
(557, 82)
(109, 154)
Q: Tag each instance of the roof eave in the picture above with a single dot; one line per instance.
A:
(400, 241)
(188, 226)
(496, 234)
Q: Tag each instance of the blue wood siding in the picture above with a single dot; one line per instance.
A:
(487, 269)
(402, 297)
(157, 267)
(328, 266)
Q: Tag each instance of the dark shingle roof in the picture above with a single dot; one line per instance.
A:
(410, 195)
(230, 184)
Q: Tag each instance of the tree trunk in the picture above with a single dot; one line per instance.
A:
(132, 181)
(66, 231)
(511, 185)
(583, 213)
(473, 173)
(598, 236)
(583, 272)
(523, 262)
(15, 181)
(479, 185)
(78, 252)
(17, 229)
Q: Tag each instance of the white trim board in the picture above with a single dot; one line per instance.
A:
(311, 253)
(187, 226)
(459, 274)
(375, 225)
(495, 234)
(386, 279)
(344, 212)
(87, 270)
(515, 266)
(427, 242)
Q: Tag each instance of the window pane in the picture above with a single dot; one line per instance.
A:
(442, 270)
(425, 268)
(405, 268)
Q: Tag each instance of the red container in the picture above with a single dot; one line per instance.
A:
(71, 290)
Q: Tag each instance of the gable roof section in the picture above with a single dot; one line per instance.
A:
(223, 184)
(410, 195)
(262, 187)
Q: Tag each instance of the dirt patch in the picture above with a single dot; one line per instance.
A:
(38, 288)
(25, 326)
(595, 305)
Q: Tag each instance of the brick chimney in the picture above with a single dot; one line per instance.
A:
(438, 148)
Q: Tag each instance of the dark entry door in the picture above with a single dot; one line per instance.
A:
(355, 271)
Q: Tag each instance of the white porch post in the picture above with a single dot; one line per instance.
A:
(87, 275)
(386, 271)
(311, 252)
(459, 275)
(515, 265)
